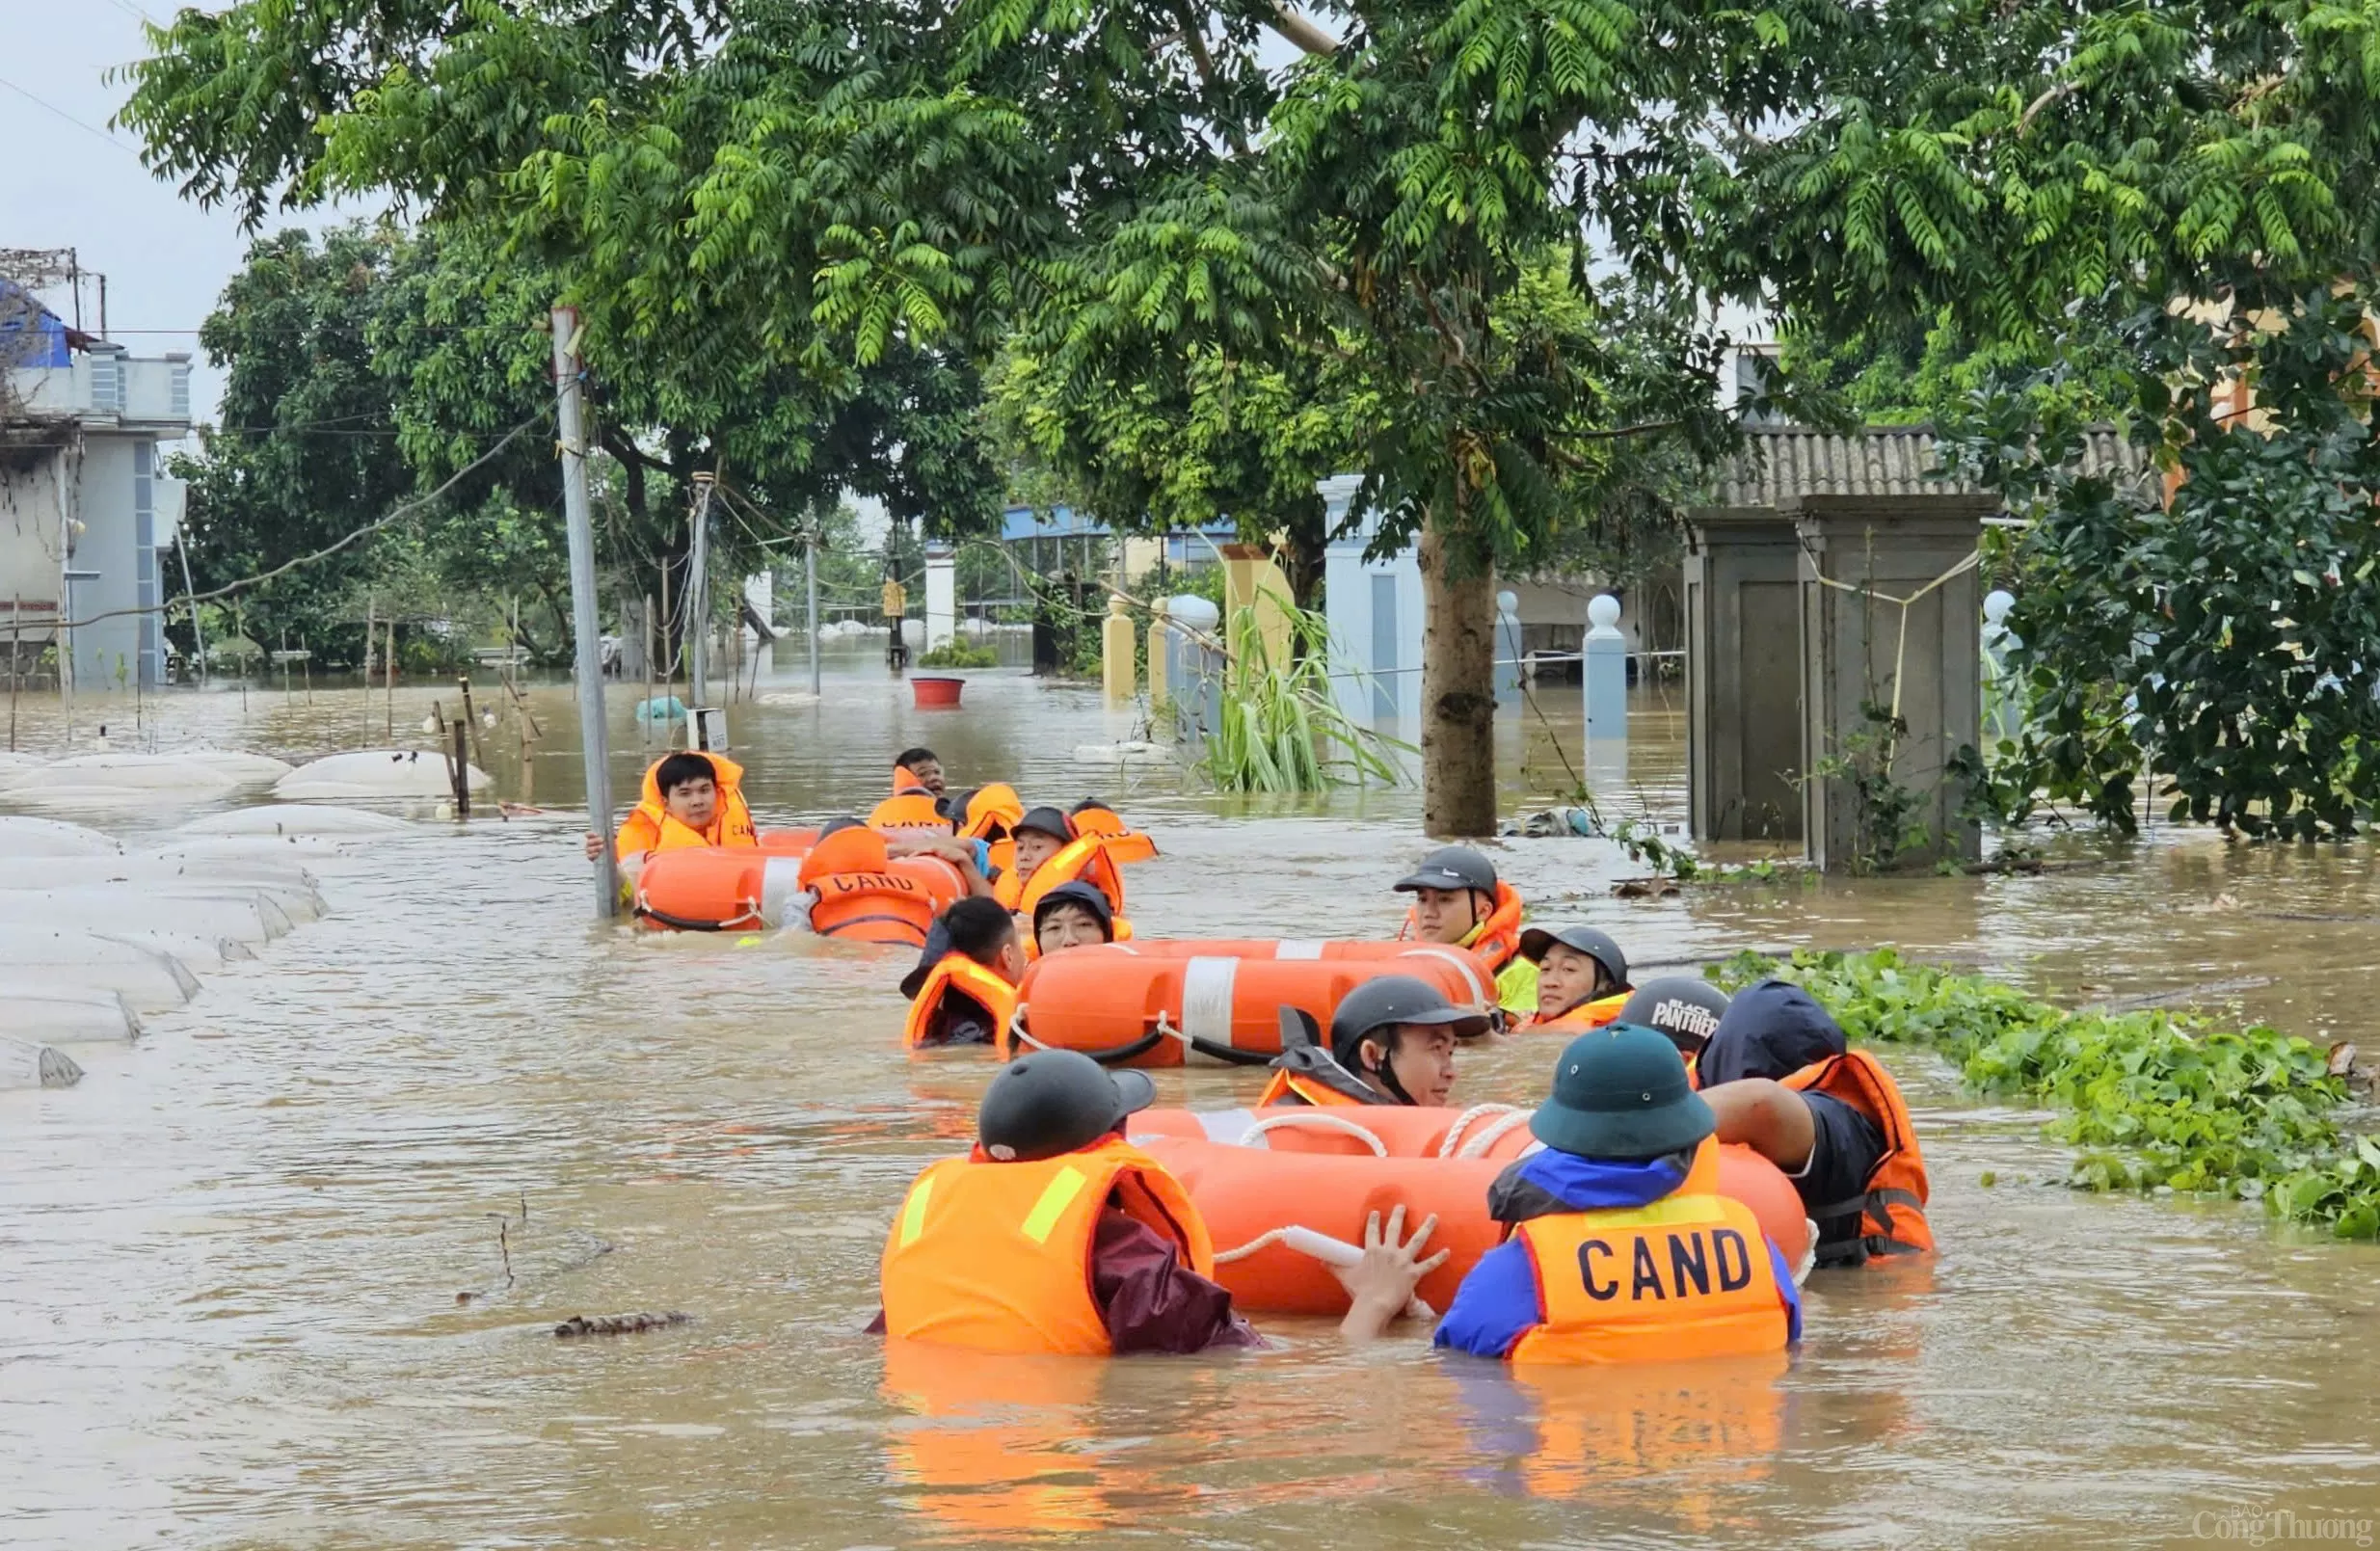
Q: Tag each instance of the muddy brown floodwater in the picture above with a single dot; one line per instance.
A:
(230, 1260)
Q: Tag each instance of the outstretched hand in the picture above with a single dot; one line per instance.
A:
(1381, 1285)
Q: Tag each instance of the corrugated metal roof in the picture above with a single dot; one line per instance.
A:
(1782, 463)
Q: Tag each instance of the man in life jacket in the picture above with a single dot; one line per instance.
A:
(1582, 977)
(963, 991)
(917, 803)
(689, 799)
(1685, 1008)
(919, 770)
(1057, 1235)
(1783, 1081)
(1041, 834)
(1620, 1247)
(1392, 1041)
(1073, 914)
(1458, 900)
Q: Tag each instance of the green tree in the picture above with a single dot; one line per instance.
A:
(2130, 212)
(561, 151)
(832, 187)
(306, 450)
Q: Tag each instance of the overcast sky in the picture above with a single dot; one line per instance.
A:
(68, 181)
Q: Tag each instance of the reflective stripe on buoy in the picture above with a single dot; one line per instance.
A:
(1206, 999)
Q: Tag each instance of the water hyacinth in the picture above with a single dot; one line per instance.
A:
(2152, 1098)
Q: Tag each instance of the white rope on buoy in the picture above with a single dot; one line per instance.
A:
(1508, 1114)
(1321, 1246)
(1322, 1119)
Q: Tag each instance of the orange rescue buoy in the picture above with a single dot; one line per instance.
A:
(1126, 1007)
(712, 889)
(1255, 1174)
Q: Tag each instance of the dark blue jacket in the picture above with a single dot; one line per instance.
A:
(1497, 1304)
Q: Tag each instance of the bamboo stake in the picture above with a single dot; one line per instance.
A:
(462, 771)
(644, 723)
(17, 660)
(389, 667)
(471, 719)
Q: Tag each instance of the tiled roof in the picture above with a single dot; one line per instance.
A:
(1781, 462)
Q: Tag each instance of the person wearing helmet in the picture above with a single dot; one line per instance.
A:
(1458, 900)
(1055, 1233)
(1621, 1248)
(1686, 1007)
(1040, 834)
(1392, 1041)
(1785, 1081)
(1582, 977)
(1071, 916)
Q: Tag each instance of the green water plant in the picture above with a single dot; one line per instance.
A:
(2149, 1098)
(1277, 723)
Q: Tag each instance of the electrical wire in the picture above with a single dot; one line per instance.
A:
(394, 515)
(84, 125)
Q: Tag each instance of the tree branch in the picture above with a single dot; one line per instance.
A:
(1299, 29)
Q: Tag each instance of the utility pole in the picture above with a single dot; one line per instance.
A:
(696, 601)
(590, 658)
(811, 554)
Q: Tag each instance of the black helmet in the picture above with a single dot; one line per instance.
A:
(1079, 893)
(1048, 1102)
(1686, 1007)
(1395, 999)
(1450, 867)
(1596, 945)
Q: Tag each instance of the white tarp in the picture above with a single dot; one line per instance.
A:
(374, 775)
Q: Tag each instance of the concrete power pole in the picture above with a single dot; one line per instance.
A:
(593, 737)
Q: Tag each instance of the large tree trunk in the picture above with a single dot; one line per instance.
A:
(1458, 692)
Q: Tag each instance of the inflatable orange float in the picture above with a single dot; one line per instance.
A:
(1276, 1184)
(711, 888)
(1124, 1006)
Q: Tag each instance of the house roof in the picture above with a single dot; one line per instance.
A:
(1780, 463)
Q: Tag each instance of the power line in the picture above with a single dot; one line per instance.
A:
(395, 515)
(53, 108)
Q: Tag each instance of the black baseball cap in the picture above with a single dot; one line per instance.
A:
(1046, 822)
(1451, 866)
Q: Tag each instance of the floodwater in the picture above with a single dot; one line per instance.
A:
(234, 1261)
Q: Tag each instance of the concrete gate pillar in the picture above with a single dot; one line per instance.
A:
(941, 595)
(1743, 675)
(1859, 556)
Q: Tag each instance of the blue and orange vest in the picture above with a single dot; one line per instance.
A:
(1688, 1276)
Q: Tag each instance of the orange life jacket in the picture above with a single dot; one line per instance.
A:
(1585, 1016)
(958, 974)
(991, 812)
(997, 1256)
(1496, 939)
(1095, 858)
(1297, 1087)
(650, 827)
(1892, 1208)
(905, 779)
(860, 896)
(913, 809)
(1688, 1276)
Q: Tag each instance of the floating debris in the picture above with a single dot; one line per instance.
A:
(617, 1325)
